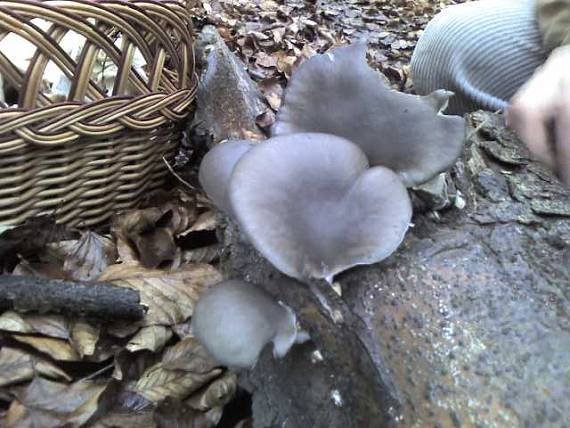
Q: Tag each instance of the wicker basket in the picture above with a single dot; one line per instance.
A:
(90, 153)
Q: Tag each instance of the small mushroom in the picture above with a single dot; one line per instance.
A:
(234, 320)
(338, 93)
(216, 169)
(310, 204)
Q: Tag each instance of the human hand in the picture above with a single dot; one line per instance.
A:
(540, 113)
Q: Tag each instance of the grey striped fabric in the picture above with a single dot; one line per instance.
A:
(483, 51)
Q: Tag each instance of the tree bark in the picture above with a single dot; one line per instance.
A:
(100, 300)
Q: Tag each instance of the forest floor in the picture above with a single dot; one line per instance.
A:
(273, 37)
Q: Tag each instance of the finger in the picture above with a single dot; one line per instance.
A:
(563, 143)
(532, 127)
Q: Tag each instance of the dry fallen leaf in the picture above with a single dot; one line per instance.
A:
(169, 295)
(208, 220)
(272, 91)
(264, 60)
(152, 338)
(285, 63)
(218, 394)
(53, 404)
(20, 417)
(205, 254)
(89, 256)
(58, 349)
(84, 338)
(142, 237)
(157, 383)
(188, 355)
(147, 235)
(28, 240)
(16, 366)
(185, 368)
(48, 325)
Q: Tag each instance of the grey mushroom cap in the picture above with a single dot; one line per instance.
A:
(216, 169)
(338, 93)
(235, 320)
(310, 204)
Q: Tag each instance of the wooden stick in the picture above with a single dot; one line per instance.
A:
(100, 300)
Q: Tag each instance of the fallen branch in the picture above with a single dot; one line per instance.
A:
(39, 295)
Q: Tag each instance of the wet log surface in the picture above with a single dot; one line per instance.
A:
(466, 325)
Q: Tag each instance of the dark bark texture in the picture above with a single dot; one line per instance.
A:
(228, 101)
(465, 326)
(99, 300)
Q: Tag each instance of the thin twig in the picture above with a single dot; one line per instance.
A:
(97, 373)
(178, 176)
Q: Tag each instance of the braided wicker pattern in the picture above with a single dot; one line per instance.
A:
(93, 153)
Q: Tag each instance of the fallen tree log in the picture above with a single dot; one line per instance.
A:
(99, 300)
(466, 325)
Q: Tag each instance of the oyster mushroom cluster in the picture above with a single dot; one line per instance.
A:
(328, 190)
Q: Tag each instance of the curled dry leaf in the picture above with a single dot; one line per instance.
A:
(28, 240)
(169, 295)
(47, 402)
(286, 63)
(47, 325)
(208, 220)
(84, 338)
(218, 394)
(272, 91)
(58, 349)
(205, 254)
(16, 366)
(184, 369)
(157, 383)
(89, 256)
(188, 355)
(147, 235)
(142, 237)
(153, 338)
